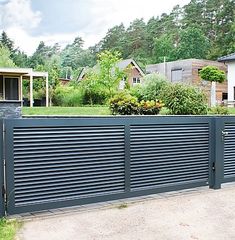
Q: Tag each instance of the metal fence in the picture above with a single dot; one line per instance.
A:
(53, 163)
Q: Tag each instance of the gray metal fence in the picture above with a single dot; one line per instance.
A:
(2, 208)
(53, 163)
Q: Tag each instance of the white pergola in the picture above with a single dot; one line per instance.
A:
(26, 73)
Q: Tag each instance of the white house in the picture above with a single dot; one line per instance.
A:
(229, 60)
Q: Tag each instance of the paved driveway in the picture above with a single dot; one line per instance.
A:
(205, 214)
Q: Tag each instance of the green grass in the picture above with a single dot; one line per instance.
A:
(66, 111)
(122, 206)
(8, 229)
(231, 110)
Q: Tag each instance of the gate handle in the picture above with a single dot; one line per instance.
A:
(224, 134)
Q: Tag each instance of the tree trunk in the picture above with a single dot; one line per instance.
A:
(213, 94)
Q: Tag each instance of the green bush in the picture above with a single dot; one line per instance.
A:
(153, 87)
(94, 97)
(219, 110)
(66, 96)
(152, 107)
(183, 99)
(125, 104)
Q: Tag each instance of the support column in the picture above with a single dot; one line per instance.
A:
(31, 91)
(47, 91)
(21, 90)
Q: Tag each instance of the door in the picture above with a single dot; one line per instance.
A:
(11, 88)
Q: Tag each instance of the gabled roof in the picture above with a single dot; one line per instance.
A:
(228, 58)
(123, 64)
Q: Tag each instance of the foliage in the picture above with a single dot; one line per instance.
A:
(183, 99)
(109, 75)
(192, 44)
(219, 110)
(164, 48)
(125, 104)
(8, 229)
(67, 96)
(5, 59)
(153, 87)
(212, 74)
(93, 92)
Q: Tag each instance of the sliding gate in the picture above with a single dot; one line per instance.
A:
(53, 163)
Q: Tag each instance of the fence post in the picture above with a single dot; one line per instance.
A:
(218, 163)
(2, 209)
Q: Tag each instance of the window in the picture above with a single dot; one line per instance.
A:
(224, 96)
(136, 80)
(176, 75)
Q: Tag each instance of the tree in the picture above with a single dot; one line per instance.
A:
(213, 75)
(5, 60)
(109, 74)
(115, 39)
(7, 42)
(136, 38)
(192, 44)
(164, 48)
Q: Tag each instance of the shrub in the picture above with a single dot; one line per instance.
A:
(219, 110)
(153, 87)
(125, 104)
(183, 99)
(152, 107)
(67, 96)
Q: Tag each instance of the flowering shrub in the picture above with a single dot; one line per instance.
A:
(125, 104)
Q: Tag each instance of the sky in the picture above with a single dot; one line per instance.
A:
(28, 22)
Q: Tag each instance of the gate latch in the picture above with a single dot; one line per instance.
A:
(224, 134)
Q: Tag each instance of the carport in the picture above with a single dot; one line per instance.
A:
(11, 82)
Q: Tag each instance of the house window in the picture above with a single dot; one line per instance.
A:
(136, 80)
(224, 96)
(177, 75)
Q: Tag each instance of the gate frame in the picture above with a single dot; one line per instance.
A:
(224, 120)
(2, 203)
(126, 122)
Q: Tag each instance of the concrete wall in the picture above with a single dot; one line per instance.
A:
(10, 109)
(231, 80)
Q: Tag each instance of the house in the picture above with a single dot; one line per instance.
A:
(11, 80)
(229, 61)
(64, 81)
(133, 70)
(187, 71)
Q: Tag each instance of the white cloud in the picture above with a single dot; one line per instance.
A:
(18, 19)
(18, 13)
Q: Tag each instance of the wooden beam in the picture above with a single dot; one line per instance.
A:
(31, 90)
(47, 91)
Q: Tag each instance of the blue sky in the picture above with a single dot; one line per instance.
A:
(28, 22)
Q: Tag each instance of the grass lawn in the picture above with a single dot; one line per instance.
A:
(8, 229)
(231, 111)
(66, 111)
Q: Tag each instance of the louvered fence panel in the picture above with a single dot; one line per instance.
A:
(164, 155)
(229, 151)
